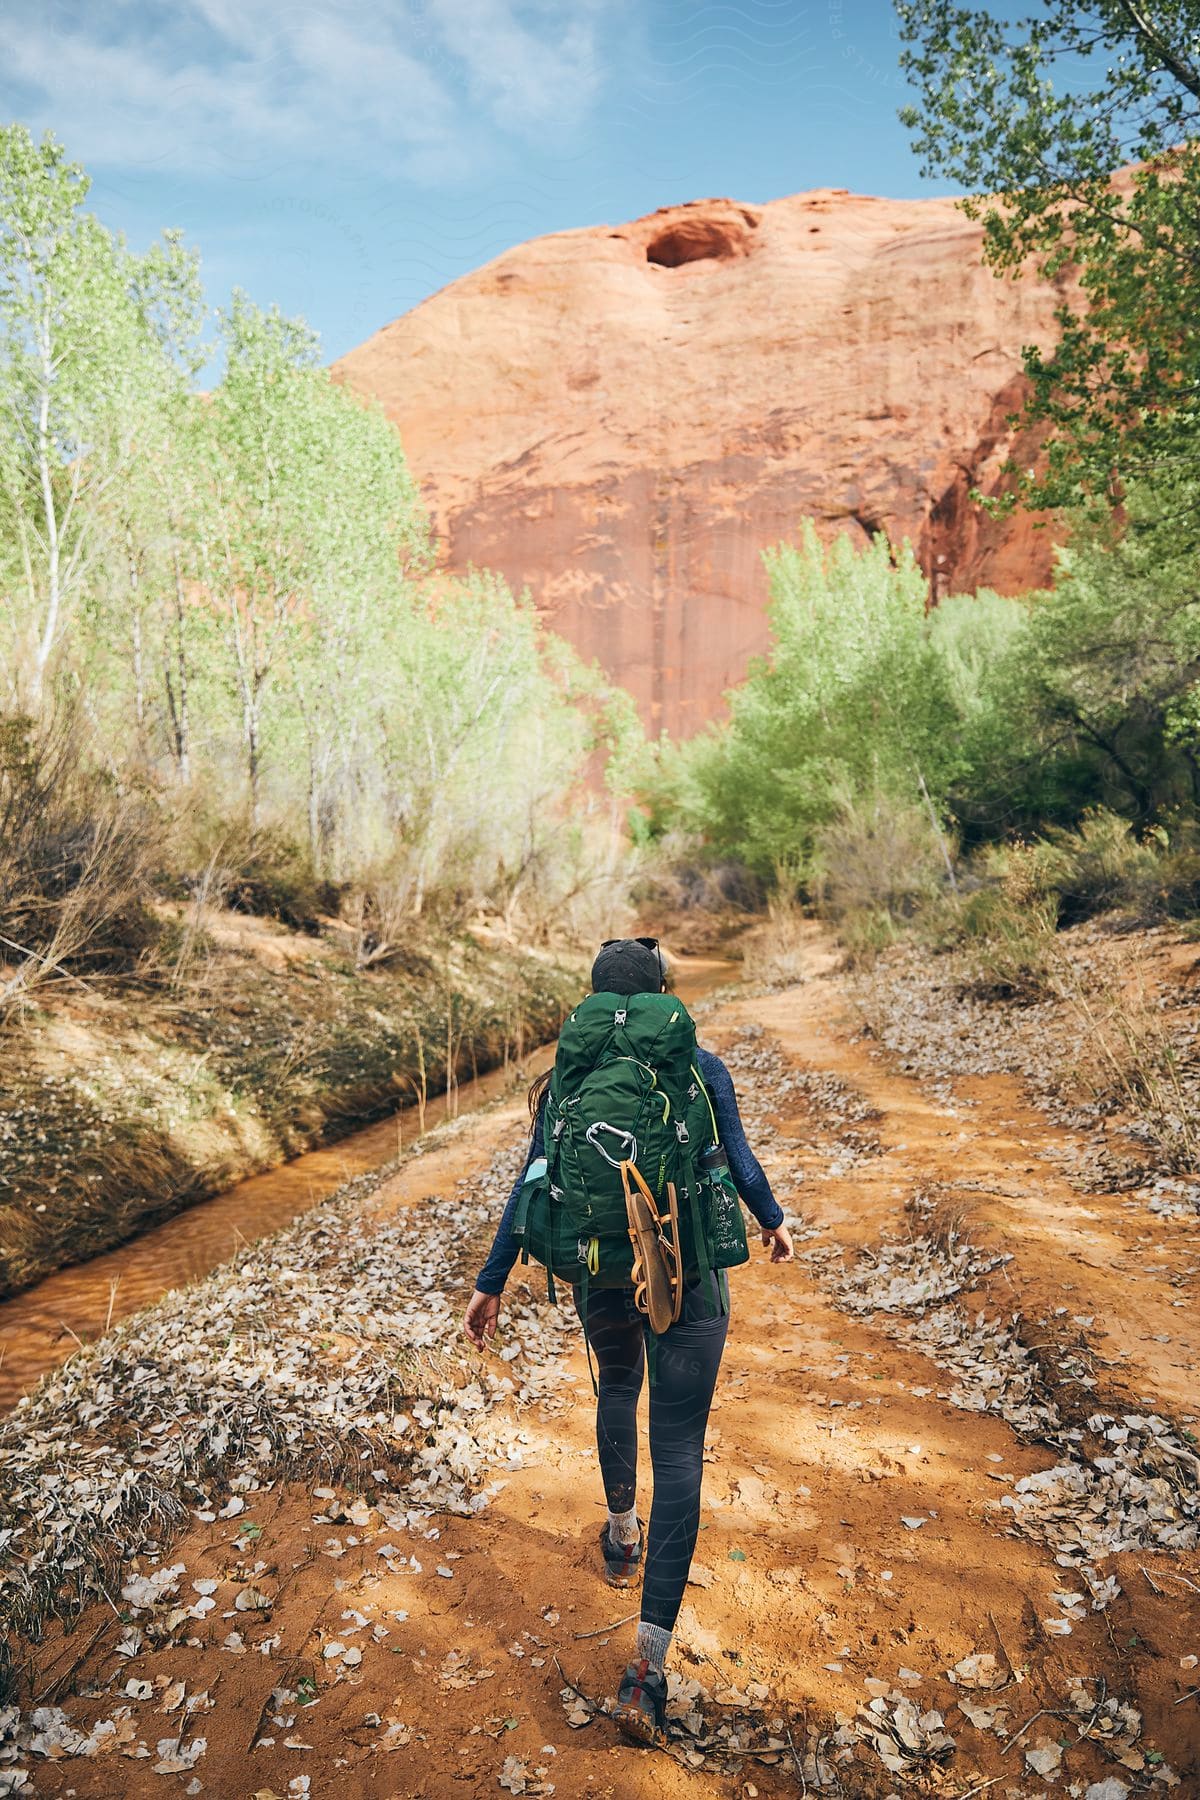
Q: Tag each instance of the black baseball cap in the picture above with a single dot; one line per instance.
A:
(629, 966)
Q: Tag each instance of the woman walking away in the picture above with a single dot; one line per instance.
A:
(627, 1193)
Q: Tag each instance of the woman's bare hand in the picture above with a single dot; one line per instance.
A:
(780, 1242)
(482, 1313)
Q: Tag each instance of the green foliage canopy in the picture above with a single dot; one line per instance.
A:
(1036, 116)
(984, 717)
(851, 700)
(1092, 700)
(83, 354)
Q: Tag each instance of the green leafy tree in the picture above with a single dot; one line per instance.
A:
(467, 701)
(171, 303)
(261, 516)
(71, 337)
(1077, 129)
(368, 547)
(851, 702)
(315, 524)
(1092, 701)
(145, 623)
(972, 635)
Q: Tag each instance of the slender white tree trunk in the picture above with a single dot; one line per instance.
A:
(139, 677)
(136, 636)
(177, 690)
(49, 633)
(251, 721)
(249, 681)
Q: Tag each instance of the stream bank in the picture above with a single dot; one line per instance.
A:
(122, 1107)
(48, 1321)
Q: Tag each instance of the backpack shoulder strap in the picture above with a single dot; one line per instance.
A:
(702, 1085)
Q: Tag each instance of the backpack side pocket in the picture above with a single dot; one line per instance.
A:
(725, 1219)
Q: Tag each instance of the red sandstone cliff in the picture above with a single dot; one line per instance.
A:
(622, 418)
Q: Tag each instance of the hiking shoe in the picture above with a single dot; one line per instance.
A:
(621, 1560)
(642, 1703)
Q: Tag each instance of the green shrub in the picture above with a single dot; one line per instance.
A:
(877, 857)
(1003, 925)
(1179, 873)
(1104, 866)
(864, 932)
(851, 703)
(1098, 866)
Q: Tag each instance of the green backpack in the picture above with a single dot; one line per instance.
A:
(626, 1086)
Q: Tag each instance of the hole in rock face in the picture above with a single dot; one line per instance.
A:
(698, 240)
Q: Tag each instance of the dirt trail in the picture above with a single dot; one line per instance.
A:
(830, 1432)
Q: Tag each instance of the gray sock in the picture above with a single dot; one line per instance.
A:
(623, 1527)
(653, 1642)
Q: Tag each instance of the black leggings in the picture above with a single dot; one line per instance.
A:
(688, 1356)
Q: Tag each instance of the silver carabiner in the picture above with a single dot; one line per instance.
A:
(615, 1131)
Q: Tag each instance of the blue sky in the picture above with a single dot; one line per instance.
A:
(347, 157)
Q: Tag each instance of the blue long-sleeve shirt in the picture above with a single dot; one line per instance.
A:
(744, 1166)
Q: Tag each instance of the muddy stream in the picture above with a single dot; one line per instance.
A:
(42, 1326)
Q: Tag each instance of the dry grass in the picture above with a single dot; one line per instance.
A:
(678, 880)
(879, 857)
(75, 868)
(1128, 1057)
(1012, 948)
(778, 952)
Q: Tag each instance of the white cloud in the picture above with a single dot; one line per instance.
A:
(533, 63)
(415, 87)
